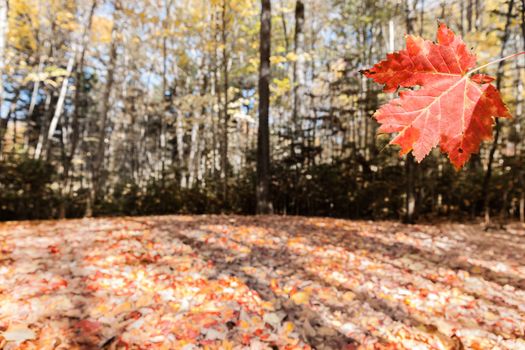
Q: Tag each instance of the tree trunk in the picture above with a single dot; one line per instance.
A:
(285, 29)
(215, 92)
(36, 87)
(75, 125)
(43, 142)
(194, 147)
(3, 36)
(522, 206)
(523, 23)
(391, 36)
(522, 175)
(485, 194)
(226, 116)
(422, 18)
(298, 68)
(264, 205)
(193, 160)
(470, 6)
(165, 27)
(4, 5)
(97, 181)
(79, 87)
(5, 122)
(180, 131)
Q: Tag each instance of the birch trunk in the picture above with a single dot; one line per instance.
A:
(194, 146)
(43, 141)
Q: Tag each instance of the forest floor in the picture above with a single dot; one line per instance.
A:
(215, 282)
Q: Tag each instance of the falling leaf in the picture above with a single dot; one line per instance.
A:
(453, 107)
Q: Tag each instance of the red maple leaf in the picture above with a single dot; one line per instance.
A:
(453, 107)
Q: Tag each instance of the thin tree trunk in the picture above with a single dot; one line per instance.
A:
(470, 6)
(75, 125)
(194, 146)
(285, 29)
(520, 117)
(165, 27)
(297, 70)
(485, 195)
(32, 103)
(4, 5)
(297, 91)
(479, 15)
(226, 116)
(36, 87)
(264, 205)
(193, 160)
(422, 18)
(79, 90)
(391, 36)
(4, 123)
(215, 92)
(97, 184)
(523, 23)
(15, 133)
(43, 142)
(462, 18)
(3, 130)
(179, 130)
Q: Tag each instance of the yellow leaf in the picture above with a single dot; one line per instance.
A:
(277, 59)
(174, 306)
(292, 57)
(226, 345)
(300, 298)
(288, 327)
(101, 309)
(122, 308)
(348, 296)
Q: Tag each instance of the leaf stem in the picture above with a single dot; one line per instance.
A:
(497, 61)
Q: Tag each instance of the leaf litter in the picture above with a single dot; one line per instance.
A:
(218, 282)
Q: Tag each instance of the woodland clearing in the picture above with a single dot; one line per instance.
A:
(231, 282)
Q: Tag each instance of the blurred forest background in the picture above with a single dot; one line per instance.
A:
(113, 107)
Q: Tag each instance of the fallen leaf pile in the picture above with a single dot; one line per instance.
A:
(211, 282)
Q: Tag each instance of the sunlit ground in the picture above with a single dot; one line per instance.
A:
(260, 283)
